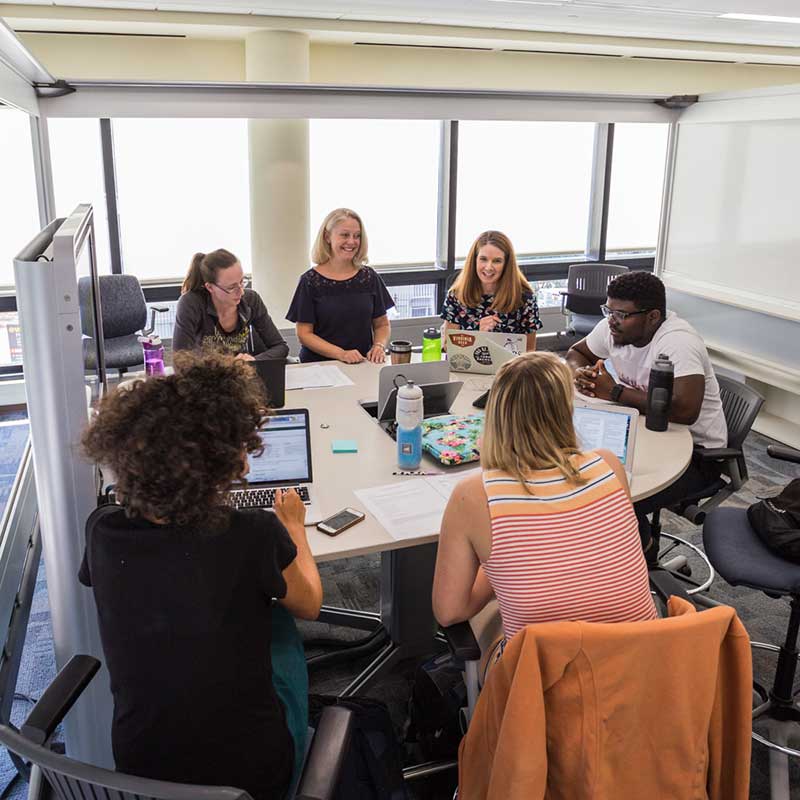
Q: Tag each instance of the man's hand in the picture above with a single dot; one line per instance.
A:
(594, 381)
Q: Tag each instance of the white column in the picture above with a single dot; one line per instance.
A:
(279, 204)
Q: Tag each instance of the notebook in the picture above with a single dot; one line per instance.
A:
(481, 351)
(452, 439)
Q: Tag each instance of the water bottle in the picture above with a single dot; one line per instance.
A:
(431, 345)
(153, 354)
(409, 426)
(659, 393)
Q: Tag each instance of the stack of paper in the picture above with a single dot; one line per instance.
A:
(316, 377)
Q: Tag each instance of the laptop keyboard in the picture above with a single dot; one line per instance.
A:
(262, 498)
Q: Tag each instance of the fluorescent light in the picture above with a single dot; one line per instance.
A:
(532, 2)
(761, 18)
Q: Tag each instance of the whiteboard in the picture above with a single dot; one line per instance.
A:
(733, 231)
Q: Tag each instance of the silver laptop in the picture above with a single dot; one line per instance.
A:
(608, 427)
(284, 464)
(482, 352)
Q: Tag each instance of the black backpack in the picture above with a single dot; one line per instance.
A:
(372, 767)
(777, 522)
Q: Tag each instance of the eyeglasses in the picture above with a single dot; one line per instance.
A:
(621, 316)
(238, 287)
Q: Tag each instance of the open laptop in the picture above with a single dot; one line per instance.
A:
(608, 427)
(272, 372)
(284, 464)
(482, 352)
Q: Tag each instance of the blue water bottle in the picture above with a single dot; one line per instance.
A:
(409, 426)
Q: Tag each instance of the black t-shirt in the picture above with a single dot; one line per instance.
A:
(340, 311)
(185, 625)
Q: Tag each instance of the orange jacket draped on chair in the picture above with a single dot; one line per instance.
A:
(631, 711)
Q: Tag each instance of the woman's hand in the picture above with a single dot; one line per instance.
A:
(351, 357)
(244, 357)
(376, 354)
(489, 323)
(289, 508)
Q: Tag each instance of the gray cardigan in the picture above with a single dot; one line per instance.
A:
(255, 333)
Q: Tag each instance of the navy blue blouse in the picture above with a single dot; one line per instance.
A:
(340, 311)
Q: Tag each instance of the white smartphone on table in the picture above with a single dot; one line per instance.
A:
(340, 521)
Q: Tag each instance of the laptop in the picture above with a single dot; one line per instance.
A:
(608, 427)
(285, 464)
(482, 352)
(272, 373)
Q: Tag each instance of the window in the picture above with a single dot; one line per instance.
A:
(530, 180)
(19, 210)
(10, 338)
(418, 300)
(77, 160)
(637, 182)
(548, 293)
(386, 171)
(183, 186)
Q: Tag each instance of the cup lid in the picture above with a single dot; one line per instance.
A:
(400, 346)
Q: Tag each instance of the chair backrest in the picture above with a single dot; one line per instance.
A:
(740, 404)
(123, 305)
(71, 779)
(592, 280)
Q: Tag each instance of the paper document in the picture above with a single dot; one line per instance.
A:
(316, 377)
(411, 507)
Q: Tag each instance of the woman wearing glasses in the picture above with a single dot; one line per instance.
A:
(217, 312)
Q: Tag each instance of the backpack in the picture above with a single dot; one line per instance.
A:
(776, 520)
(372, 767)
(437, 697)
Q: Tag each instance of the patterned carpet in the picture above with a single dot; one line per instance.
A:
(353, 583)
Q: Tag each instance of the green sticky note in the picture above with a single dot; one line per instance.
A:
(344, 446)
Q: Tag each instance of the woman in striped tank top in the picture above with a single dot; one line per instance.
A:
(547, 530)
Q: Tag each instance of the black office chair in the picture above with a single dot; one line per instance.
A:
(124, 314)
(585, 293)
(742, 559)
(740, 404)
(55, 775)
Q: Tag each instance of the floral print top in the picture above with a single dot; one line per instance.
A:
(525, 319)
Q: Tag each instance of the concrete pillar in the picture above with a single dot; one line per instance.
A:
(279, 183)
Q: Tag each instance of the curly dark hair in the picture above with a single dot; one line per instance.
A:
(175, 443)
(642, 288)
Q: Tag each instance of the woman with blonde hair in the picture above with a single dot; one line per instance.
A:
(340, 304)
(491, 293)
(545, 528)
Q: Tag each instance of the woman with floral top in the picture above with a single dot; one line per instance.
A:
(491, 293)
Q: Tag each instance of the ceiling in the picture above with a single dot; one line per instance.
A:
(682, 20)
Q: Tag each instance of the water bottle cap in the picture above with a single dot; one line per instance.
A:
(153, 340)
(431, 333)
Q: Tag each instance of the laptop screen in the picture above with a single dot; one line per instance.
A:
(287, 450)
(597, 428)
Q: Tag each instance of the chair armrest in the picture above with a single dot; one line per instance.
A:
(328, 748)
(666, 585)
(58, 698)
(783, 453)
(461, 641)
(716, 453)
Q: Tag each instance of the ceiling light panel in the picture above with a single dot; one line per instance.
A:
(762, 18)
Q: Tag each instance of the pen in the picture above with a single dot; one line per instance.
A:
(250, 337)
(406, 473)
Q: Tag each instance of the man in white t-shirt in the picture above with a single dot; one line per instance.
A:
(637, 329)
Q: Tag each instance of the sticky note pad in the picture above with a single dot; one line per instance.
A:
(344, 446)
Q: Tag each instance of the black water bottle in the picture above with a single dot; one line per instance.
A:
(659, 393)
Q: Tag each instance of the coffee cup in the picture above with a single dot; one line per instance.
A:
(400, 351)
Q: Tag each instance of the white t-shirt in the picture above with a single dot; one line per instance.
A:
(684, 346)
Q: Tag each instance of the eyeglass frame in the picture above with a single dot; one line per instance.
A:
(243, 284)
(620, 315)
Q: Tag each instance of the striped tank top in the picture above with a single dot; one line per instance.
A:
(565, 552)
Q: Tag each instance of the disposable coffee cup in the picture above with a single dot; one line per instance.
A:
(400, 351)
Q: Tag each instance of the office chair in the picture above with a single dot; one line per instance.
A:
(585, 293)
(124, 315)
(55, 775)
(740, 404)
(742, 559)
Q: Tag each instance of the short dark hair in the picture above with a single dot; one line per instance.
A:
(642, 288)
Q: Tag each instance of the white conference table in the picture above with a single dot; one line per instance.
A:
(407, 564)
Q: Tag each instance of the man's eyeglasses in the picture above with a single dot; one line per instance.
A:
(237, 287)
(621, 316)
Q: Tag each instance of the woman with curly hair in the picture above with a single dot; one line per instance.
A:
(184, 585)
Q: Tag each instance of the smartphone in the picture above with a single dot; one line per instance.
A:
(340, 521)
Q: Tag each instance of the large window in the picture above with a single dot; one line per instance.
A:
(637, 182)
(530, 180)
(19, 212)
(77, 160)
(386, 171)
(417, 300)
(183, 186)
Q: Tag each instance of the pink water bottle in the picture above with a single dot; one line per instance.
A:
(153, 354)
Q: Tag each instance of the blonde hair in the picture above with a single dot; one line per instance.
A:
(204, 267)
(528, 422)
(511, 286)
(321, 249)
